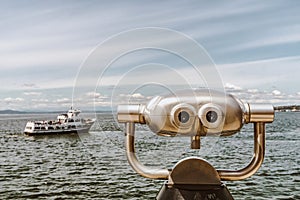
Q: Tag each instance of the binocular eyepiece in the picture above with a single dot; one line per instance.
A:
(199, 112)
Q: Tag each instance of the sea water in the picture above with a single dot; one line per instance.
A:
(94, 166)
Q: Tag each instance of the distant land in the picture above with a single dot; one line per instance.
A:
(288, 108)
(11, 112)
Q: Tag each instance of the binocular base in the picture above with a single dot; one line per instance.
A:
(198, 192)
(194, 178)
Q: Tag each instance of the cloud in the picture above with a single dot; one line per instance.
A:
(54, 58)
(274, 97)
(93, 98)
(252, 90)
(32, 93)
(13, 100)
(30, 85)
(134, 96)
(276, 92)
(40, 100)
(137, 96)
(12, 103)
(43, 44)
(263, 74)
(230, 87)
(93, 95)
(63, 100)
(286, 34)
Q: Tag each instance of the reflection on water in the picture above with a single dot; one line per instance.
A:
(93, 165)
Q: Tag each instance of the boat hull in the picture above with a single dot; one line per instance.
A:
(58, 132)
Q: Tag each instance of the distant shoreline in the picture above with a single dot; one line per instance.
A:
(12, 112)
(288, 108)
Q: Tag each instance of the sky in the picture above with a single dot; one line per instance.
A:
(49, 47)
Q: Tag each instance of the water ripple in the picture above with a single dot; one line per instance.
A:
(94, 166)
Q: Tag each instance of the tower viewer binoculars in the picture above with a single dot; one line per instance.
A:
(195, 114)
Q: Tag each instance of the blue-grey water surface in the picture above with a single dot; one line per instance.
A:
(94, 166)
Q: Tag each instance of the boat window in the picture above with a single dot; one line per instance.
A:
(70, 120)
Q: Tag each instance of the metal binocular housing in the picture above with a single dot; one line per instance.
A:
(200, 112)
(197, 113)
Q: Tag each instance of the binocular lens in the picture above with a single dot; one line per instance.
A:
(211, 116)
(183, 116)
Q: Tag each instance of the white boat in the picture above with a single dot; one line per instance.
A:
(68, 122)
